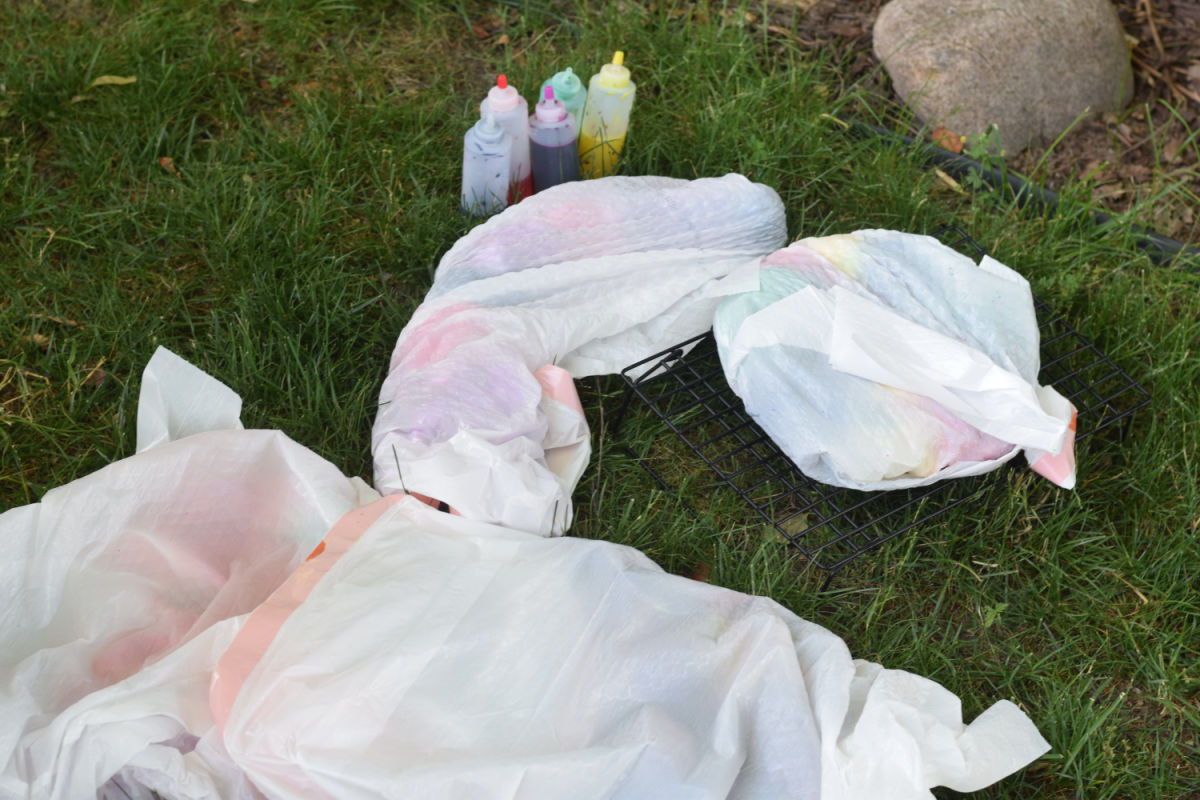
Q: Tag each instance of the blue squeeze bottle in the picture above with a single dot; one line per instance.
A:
(487, 165)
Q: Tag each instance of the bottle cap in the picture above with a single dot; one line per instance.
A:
(566, 85)
(488, 131)
(616, 74)
(503, 97)
(550, 108)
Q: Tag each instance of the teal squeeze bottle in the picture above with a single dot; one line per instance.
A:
(570, 90)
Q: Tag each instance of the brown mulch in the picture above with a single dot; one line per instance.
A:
(1120, 157)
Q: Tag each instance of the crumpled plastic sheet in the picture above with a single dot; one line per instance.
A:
(417, 653)
(119, 590)
(586, 277)
(887, 360)
(224, 614)
(520, 666)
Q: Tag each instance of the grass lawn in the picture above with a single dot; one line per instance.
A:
(269, 200)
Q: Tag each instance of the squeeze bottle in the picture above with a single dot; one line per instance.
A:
(487, 166)
(552, 145)
(568, 88)
(512, 113)
(605, 118)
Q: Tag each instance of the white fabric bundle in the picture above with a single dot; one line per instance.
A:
(588, 277)
(886, 360)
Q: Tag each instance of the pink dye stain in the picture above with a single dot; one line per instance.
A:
(435, 337)
(557, 384)
(129, 652)
(1060, 469)
(958, 440)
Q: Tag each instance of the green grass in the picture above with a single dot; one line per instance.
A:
(270, 198)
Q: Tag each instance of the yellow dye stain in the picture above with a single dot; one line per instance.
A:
(598, 157)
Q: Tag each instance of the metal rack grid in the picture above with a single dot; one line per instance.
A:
(685, 388)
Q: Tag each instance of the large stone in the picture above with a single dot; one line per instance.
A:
(1029, 67)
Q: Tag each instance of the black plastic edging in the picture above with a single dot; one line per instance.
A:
(1162, 250)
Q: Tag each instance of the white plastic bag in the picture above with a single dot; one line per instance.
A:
(886, 360)
(119, 590)
(432, 656)
(586, 277)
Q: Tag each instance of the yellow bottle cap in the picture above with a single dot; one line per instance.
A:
(616, 74)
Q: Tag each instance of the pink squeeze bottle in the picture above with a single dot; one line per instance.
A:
(511, 112)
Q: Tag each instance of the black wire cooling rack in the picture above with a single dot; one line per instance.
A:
(685, 388)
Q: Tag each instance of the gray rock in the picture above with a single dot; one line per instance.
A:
(1030, 67)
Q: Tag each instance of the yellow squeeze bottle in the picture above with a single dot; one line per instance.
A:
(605, 119)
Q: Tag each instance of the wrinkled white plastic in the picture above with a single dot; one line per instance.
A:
(117, 590)
(590, 276)
(886, 360)
(441, 657)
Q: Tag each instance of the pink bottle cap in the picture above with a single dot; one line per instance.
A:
(550, 108)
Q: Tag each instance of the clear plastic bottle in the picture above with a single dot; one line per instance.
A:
(568, 88)
(605, 118)
(512, 113)
(487, 168)
(553, 149)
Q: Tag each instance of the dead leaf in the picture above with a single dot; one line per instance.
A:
(480, 32)
(1171, 149)
(947, 139)
(1134, 172)
(114, 80)
(701, 572)
(96, 375)
(1093, 169)
(946, 179)
(38, 340)
(60, 320)
(168, 163)
(503, 39)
